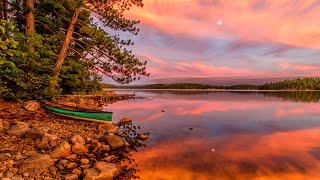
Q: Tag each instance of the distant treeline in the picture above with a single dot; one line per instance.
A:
(294, 84)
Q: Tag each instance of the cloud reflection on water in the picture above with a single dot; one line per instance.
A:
(253, 137)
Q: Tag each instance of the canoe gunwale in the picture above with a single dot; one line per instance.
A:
(72, 108)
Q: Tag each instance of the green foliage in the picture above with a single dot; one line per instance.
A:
(295, 84)
(92, 53)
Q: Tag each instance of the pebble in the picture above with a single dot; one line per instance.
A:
(84, 161)
(71, 165)
(26, 174)
(76, 171)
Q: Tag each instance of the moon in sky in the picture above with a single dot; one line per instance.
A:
(219, 22)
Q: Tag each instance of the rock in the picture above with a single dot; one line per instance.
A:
(18, 129)
(95, 145)
(43, 145)
(31, 153)
(53, 169)
(33, 134)
(3, 157)
(26, 174)
(72, 156)
(102, 170)
(108, 128)
(105, 148)
(84, 161)
(9, 174)
(31, 105)
(71, 177)
(37, 162)
(113, 141)
(1, 125)
(63, 150)
(78, 139)
(60, 167)
(71, 165)
(28, 141)
(87, 166)
(143, 136)
(79, 148)
(110, 159)
(16, 178)
(76, 171)
(13, 170)
(125, 121)
(70, 104)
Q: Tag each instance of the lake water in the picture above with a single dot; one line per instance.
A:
(226, 135)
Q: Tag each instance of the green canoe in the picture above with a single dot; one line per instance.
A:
(78, 113)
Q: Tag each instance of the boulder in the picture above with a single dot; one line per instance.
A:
(33, 134)
(102, 170)
(78, 139)
(63, 150)
(79, 148)
(108, 128)
(31, 105)
(36, 162)
(113, 141)
(18, 129)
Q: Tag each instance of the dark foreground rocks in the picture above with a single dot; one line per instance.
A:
(50, 147)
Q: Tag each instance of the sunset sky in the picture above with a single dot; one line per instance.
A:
(223, 38)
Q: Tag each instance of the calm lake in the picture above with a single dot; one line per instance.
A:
(226, 135)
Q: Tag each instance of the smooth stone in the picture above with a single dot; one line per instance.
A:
(63, 150)
(113, 141)
(102, 170)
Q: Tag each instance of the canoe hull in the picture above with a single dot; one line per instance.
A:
(89, 116)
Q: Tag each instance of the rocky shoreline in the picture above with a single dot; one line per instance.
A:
(35, 144)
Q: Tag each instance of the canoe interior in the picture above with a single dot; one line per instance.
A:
(77, 113)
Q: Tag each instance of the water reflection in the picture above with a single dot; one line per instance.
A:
(226, 135)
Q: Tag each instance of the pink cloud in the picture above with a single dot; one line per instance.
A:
(278, 21)
(300, 68)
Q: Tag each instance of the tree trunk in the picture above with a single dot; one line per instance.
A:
(30, 26)
(1, 12)
(5, 9)
(63, 51)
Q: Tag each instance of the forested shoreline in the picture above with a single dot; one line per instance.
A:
(310, 83)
